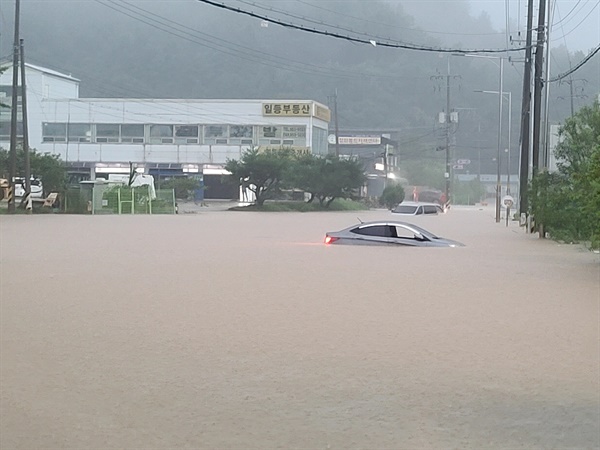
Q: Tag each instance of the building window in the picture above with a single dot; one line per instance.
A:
(79, 132)
(269, 135)
(5, 130)
(54, 132)
(295, 136)
(161, 134)
(216, 134)
(133, 133)
(241, 134)
(107, 132)
(186, 134)
(319, 141)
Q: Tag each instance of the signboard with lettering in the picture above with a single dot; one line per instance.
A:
(359, 140)
(270, 132)
(299, 149)
(287, 109)
(323, 113)
(294, 132)
(508, 201)
(297, 110)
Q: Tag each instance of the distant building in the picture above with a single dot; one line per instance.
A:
(377, 152)
(162, 137)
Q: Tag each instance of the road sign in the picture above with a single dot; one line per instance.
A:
(508, 201)
(464, 162)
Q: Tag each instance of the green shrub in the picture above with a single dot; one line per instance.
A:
(392, 195)
(298, 206)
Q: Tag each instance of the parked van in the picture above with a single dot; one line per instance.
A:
(418, 208)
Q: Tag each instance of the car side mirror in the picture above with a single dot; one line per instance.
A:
(419, 237)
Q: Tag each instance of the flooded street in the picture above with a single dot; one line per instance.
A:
(243, 330)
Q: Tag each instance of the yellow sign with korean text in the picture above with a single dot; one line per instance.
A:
(287, 109)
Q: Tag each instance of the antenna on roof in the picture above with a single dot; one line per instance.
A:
(360, 220)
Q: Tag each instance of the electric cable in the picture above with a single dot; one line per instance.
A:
(396, 26)
(579, 65)
(374, 42)
(264, 58)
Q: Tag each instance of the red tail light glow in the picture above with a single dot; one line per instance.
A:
(330, 240)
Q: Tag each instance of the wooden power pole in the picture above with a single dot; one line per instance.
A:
(526, 115)
(13, 116)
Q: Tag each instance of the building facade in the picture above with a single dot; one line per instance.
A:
(96, 137)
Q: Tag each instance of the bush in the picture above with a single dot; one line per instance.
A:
(182, 186)
(392, 195)
(298, 206)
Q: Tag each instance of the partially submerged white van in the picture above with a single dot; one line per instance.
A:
(417, 208)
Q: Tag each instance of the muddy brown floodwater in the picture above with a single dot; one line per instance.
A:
(243, 330)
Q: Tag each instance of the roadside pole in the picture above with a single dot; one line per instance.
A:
(27, 171)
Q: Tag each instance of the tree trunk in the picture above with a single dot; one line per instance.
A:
(259, 196)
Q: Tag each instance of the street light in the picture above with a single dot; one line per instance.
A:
(500, 89)
(509, 94)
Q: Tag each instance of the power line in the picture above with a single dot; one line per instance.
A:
(577, 26)
(373, 41)
(581, 63)
(395, 26)
(215, 46)
(227, 47)
(563, 19)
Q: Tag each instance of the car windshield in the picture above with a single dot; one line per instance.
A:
(406, 209)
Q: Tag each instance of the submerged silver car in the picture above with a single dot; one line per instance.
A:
(388, 233)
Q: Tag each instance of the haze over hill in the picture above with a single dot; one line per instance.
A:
(188, 49)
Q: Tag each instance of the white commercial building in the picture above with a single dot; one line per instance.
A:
(164, 137)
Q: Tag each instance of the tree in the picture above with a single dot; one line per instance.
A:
(392, 195)
(327, 178)
(262, 172)
(305, 173)
(567, 202)
(46, 166)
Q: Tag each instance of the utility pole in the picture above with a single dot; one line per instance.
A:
(337, 129)
(537, 97)
(538, 85)
(447, 173)
(499, 153)
(13, 116)
(447, 120)
(573, 94)
(526, 115)
(27, 172)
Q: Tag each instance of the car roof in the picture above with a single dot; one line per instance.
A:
(411, 203)
(385, 222)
